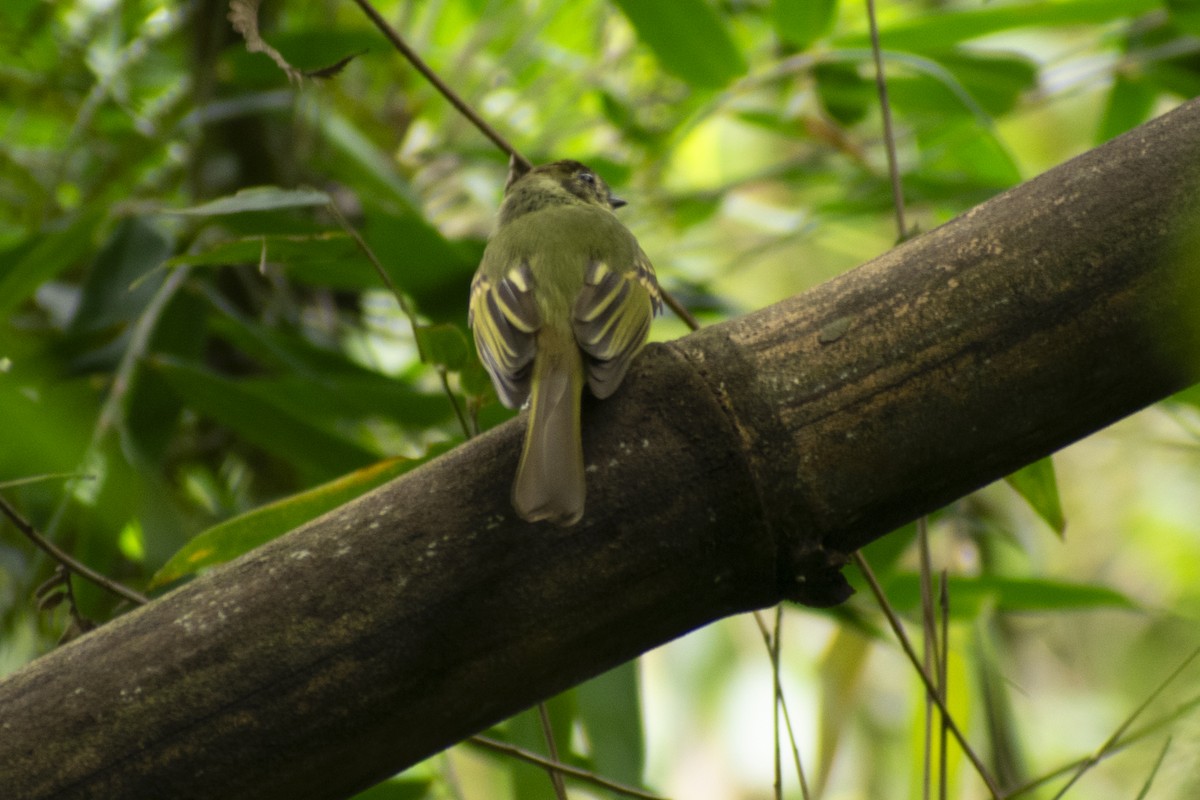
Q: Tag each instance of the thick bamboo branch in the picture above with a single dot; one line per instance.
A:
(737, 467)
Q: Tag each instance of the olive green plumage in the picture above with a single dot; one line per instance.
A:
(564, 295)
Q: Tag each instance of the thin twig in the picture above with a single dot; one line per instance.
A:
(906, 645)
(67, 560)
(556, 778)
(49, 476)
(1111, 741)
(458, 412)
(805, 792)
(776, 696)
(944, 680)
(419, 64)
(1162, 754)
(787, 717)
(929, 650)
(353, 233)
(1141, 733)
(680, 311)
(79, 624)
(889, 137)
(529, 757)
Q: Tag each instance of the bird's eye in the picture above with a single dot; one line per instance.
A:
(588, 178)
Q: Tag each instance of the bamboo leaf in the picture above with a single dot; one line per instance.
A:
(258, 198)
(1038, 485)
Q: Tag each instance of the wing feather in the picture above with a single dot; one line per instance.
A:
(504, 318)
(612, 317)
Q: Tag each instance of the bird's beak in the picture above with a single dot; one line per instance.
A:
(616, 202)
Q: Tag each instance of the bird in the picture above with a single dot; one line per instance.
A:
(564, 296)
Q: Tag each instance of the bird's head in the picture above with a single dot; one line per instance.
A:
(558, 183)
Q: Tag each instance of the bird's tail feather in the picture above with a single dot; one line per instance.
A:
(550, 481)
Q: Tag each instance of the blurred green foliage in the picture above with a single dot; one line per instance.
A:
(189, 332)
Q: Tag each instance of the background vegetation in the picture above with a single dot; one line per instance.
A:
(199, 370)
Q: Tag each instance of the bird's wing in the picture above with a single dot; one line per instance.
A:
(612, 317)
(504, 319)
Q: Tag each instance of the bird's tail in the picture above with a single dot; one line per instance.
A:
(550, 481)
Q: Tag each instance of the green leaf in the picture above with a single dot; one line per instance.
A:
(959, 83)
(1189, 396)
(996, 81)
(403, 788)
(885, 553)
(329, 258)
(610, 711)
(24, 269)
(258, 198)
(801, 22)
(622, 113)
(689, 38)
(345, 402)
(927, 32)
(960, 152)
(152, 410)
(969, 594)
(422, 262)
(444, 345)
(318, 382)
(841, 689)
(264, 421)
(1130, 103)
(1175, 76)
(474, 378)
(925, 88)
(282, 349)
(695, 209)
(113, 292)
(361, 162)
(1186, 15)
(1038, 485)
(46, 419)
(844, 93)
(234, 537)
